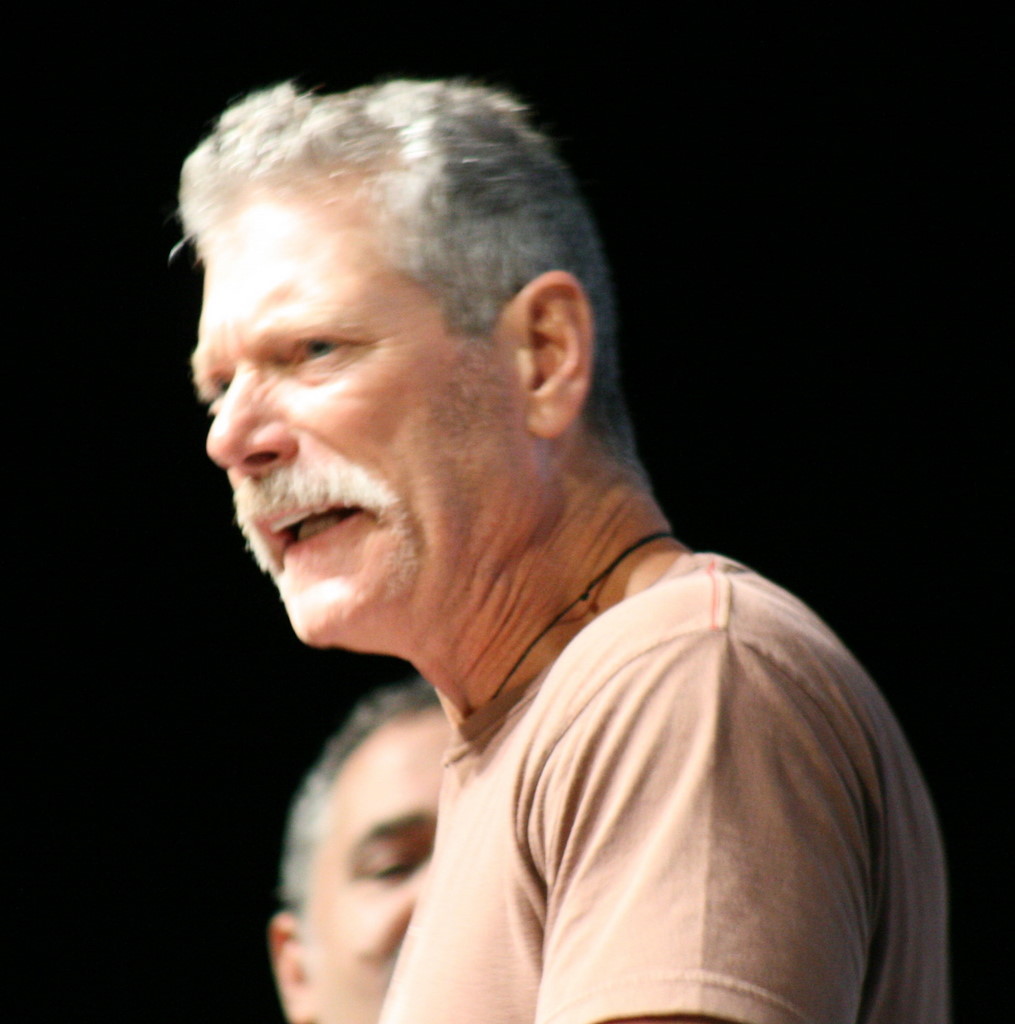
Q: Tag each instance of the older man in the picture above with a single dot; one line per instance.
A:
(673, 794)
(357, 845)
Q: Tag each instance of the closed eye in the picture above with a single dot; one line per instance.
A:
(398, 869)
(393, 851)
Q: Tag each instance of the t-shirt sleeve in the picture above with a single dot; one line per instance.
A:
(706, 828)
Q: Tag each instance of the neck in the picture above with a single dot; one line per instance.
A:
(614, 543)
(585, 604)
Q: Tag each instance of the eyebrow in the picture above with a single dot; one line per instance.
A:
(202, 361)
(333, 321)
(394, 827)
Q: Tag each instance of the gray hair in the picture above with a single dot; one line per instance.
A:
(474, 202)
(307, 817)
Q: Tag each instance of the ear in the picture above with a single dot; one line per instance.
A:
(551, 321)
(289, 962)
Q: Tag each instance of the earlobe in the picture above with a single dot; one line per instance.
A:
(289, 962)
(553, 320)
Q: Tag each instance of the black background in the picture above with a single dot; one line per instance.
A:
(804, 215)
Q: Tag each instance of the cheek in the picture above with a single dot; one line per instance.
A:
(327, 414)
(383, 925)
(356, 917)
(354, 414)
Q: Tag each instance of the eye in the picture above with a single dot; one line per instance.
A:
(396, 871)
(393, 859)
(316, 348)
(392, 866)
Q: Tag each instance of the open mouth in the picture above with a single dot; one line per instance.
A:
(303, 526)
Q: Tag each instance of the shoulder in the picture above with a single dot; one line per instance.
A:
(712, 675)
(709, 624)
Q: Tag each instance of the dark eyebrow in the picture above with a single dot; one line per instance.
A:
(394, 827)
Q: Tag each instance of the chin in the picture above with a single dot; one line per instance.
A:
(320, 614)
(334, 613)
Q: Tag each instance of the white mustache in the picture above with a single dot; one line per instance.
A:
(291, 488)
(294, 487)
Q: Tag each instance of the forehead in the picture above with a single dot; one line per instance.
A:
(268, 218)
(275, 263)
(393, 773)
(268, 245)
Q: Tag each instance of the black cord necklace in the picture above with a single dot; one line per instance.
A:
(583, 596)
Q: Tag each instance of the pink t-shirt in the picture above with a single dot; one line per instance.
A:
(704, 806)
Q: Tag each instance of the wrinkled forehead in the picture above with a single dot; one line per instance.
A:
(272, 251)
(248, 203)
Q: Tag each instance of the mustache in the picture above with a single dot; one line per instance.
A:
(338, 484)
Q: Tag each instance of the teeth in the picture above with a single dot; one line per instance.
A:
(314, 525)
(307, 523)
(281, 525)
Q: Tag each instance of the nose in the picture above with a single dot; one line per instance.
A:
(249, 436)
